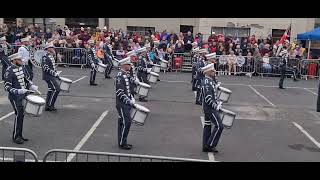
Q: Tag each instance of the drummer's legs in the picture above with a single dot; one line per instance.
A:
(93, 76)
(217, 130)
(19, 116)
(206, 130)
(124, 113)
(53, 93)
(198, 97)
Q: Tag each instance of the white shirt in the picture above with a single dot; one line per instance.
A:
(25, 54)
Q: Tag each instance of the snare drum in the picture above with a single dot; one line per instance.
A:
(34, 105)
(65, 84)
(143, 89)
(164, 64)
(156, 68)
(227, 117)
(102, 67)
(224, 94)
(139, 114)
(153, 77)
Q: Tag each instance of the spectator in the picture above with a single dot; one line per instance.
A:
(232, 62)
(220, 49)
(240, 61)
(238, 50)
(266, 64)
(222, 61)
(179, 48)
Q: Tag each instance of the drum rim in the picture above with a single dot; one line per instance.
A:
(227, 111)
(156, 65)
(102, 65)
(154, 74)
(43, 101)
(65, 80)
(139, 107)
(144, 85)
(225, 89)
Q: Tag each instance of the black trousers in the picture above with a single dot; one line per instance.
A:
(142, 76)
(19, 116)
(93, 74)
(194, 85)
(284, 71)
(124, 123)
(212, 137)
(109, 67)
(199, 95)
(53, 92)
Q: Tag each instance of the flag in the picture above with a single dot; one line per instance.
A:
(286, 35)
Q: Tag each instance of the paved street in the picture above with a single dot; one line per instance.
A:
(271, 124)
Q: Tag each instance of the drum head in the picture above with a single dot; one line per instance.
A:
(224, 89)
(36, 99)
(227, 111)
(142, 108)
(66, 80)
(144, 85)
(157, 65)
(154, 74)
(164, 61)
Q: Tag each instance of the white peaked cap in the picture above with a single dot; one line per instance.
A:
(208, 67)
(211, 56)
(15, 56)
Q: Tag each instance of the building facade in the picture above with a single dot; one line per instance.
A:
(260, 27)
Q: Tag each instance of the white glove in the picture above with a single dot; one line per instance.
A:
(22, 91)
(218, 84)
(132, 101)
(59, 72)
(148, 70)
(136, 81)
(56, 74)
(219, 105)
(34, 87)
(92, 65)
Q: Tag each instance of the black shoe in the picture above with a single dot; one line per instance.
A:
(130, 145)
(198, 103)
(18, 140)
(158, 79)
(24, 139)
(295, 79)
(93, 84)
(50, 109)
(125, 147)
(143, 100)
(206, 149)
(282, 88)
(107, 77)
(214, 150)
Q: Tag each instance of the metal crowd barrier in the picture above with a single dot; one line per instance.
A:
(309, 68)
(180, 62)
(63, 155)
(71, 56)
(13, 154)
(240, 65)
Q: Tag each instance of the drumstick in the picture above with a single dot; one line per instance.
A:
(38, 92)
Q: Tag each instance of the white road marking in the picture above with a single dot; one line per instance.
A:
(4, 117)
(79, 79)
(210, 154)
(262, 96)
(307, 134)
(1, 82)
(310, 91)
(89, 133)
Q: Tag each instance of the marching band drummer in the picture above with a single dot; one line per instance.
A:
(107, 49)
(93, 59)
(142, 69)
(17, 82)
(3, 55)
(133, 77)
(50, 75)
(24, 50)
(124, 102)
(212, 59)
(210, 108)
(194, 62)
(199, 75)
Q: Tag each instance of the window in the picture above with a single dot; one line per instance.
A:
(145, 31)
(277, 34)
(231, 31)
(86, 22)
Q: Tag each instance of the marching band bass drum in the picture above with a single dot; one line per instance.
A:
(36, 57)
(34, 105)
(143, 89)
(101, 68)
(153, 77)
(156, 68)
(227, 117)
(139, 114)
(224, 94)
(65, 84)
